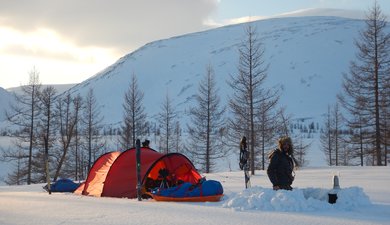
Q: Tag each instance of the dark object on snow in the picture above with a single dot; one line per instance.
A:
(332, 195)
(146, 143)
(332, 198)
(62, 185)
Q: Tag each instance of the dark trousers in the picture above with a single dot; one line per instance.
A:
(286, 187)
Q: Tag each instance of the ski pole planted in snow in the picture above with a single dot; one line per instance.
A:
(244, 155)
(138, 169)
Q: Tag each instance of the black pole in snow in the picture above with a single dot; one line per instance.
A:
(138, 169)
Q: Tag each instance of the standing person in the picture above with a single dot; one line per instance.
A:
(281, 167)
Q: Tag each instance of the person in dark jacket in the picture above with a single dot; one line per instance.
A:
(281, 167)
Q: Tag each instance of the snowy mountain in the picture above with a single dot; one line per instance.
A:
(307, 56)
(5, 99)
(58, 87)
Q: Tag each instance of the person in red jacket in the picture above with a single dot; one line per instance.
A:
(281, 167)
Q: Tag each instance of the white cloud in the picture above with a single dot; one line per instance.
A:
(120, 24)
(355, 14)
(70, 40)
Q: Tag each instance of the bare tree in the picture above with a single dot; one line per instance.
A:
(67, 121)
(268, 123)
(359, 134)
(284, 127)
(177, 134)
(167, 119)
(19, 174)
(300, 150)
(206, 121)
(134, 116)
(23, 114)
(78, 105)
(385, 112)
(92, 126)
(46, 130)
(365, 85)
(250, 97)
(326, 138)
(331, 139)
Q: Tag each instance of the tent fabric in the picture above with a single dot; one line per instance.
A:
(79, 190)
(122, 178)
(114, 174)
(179, 167)
(97, 174)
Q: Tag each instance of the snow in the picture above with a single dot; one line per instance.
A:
(364, 198)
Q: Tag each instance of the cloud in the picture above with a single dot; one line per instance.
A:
(122, 25)
(355, 14)
(245, 19)
(44, 43)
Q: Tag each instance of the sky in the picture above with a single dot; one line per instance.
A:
(68, 41)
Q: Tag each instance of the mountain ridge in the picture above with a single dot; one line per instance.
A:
(176, 64)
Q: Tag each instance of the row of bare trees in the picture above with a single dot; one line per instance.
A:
(360, 133)
(62, 130)
(211, 131)
(55, 135)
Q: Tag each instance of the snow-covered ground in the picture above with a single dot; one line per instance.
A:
(364, 198)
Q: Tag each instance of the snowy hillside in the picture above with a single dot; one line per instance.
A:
(58, 87)
(307, 57)
(5, 99)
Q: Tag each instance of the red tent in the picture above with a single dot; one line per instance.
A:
(93, 186)
(114, 174)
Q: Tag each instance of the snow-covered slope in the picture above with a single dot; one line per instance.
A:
(58, 87)
(307, 56)
(5, 99)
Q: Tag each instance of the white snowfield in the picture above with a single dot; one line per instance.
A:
(364, 198)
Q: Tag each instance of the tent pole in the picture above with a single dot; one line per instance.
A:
(138, 164)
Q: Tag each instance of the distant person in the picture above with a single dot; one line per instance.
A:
(146, 143)
(281, 167)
